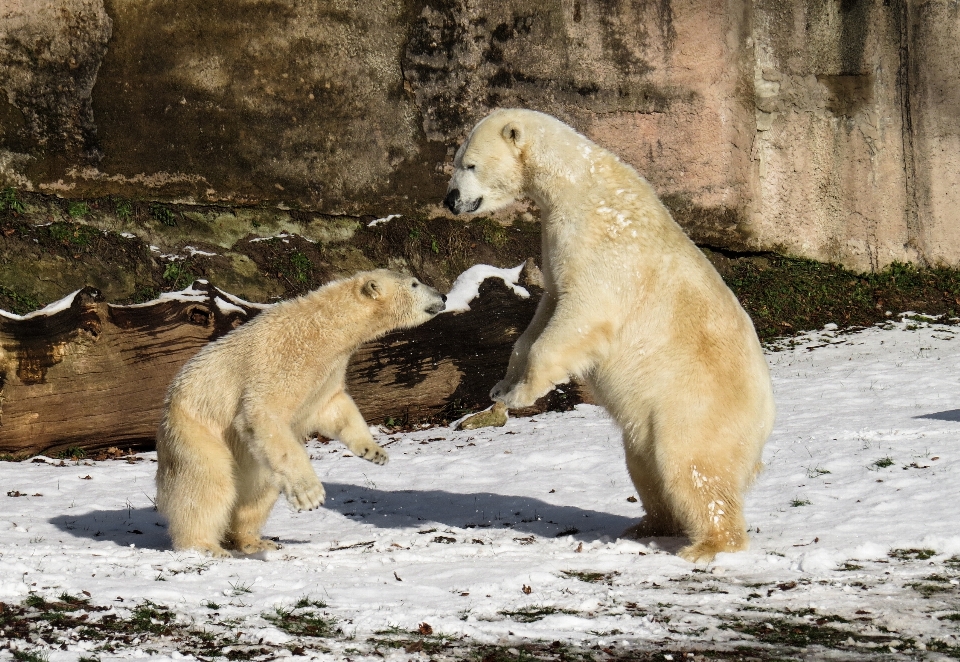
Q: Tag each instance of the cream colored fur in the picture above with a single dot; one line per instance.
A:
(635, 309)
(231, 437)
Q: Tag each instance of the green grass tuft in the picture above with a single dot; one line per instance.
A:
(123, 209)
(533, 613)
(78, 209)
(303, 620)
(163, 214)
(17, 303)
(787, 295)
(178, 275)
(883, 463)
(10, 201)
(911, 554)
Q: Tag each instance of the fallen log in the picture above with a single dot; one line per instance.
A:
(85, 374)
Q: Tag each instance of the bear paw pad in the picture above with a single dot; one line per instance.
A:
(373, 453)
(306, 495)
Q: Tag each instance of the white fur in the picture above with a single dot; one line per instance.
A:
(231, 437)
(634, 308)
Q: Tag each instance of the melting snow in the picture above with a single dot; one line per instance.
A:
(49, 309)
(467, 286)
(855, 517)
(385, 219)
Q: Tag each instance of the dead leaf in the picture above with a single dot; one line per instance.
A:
(425, 628)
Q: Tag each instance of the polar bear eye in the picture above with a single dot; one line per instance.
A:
(471, 167)
(416, 284)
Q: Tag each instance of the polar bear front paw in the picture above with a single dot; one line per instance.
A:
(498, 392)
(518, 397)
(371, 451)
(305, 493)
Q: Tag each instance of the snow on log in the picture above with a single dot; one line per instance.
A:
(83, 373)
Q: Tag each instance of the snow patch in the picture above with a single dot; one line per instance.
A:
(196, 251)
(467, 286)
(380, 221)
(49, 309)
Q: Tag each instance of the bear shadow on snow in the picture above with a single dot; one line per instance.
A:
(143, 527)
(949, 415)
(469, 514)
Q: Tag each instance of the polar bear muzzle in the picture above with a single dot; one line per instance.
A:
(433, 301)
(456, 204)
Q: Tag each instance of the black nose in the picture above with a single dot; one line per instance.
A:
(453, 197)
(443, 297)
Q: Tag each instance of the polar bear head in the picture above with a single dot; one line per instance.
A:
(488, 167)
(402, 300)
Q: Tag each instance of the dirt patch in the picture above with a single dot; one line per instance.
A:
(50, 247)
(437, 250)
(787, 295)
(42, 263)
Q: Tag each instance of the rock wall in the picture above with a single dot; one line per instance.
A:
(823, 128)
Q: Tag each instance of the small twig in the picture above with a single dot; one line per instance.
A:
(359, 544)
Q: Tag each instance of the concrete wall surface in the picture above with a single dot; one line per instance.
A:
(823, 128)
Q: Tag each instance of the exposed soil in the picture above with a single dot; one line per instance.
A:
(50, 247)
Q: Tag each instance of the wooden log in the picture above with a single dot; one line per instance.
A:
(93, 375)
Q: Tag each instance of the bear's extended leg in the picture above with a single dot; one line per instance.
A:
(340, 419)
(256, 495)
(517, 366)
(195, 483)
(274, 444)
(569, 346)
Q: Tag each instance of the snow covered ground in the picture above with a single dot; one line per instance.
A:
(507, 537)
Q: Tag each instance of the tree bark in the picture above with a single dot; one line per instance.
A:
(94, 375)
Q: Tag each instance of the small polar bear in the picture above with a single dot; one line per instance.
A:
(231, 437)
(634, 308)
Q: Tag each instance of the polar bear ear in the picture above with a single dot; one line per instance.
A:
(372, 289)
(512, 133)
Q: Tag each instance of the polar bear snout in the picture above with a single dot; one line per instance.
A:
(438, 305)
(437, 308)
(452, 200)
(456, 204)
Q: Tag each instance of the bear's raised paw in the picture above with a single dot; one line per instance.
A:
(371, 452)
(515, 396)
(305, 493)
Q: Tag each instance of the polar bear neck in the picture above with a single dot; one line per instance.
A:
(335, 308)
(559, 159)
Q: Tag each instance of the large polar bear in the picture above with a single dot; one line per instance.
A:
(635, 309)
(231, 437)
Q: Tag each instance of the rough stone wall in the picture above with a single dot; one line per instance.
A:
(50, 53)
(831, 181)
(933, 112)
(823, 128)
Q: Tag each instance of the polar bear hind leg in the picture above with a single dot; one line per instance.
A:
(707, 502)
(257, 493)
(195, 488)
(658, 519)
